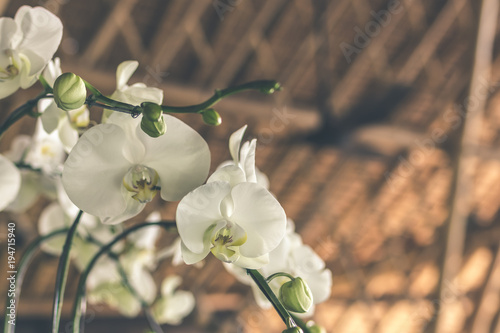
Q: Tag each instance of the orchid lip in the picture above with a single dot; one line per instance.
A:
(142, 182)
(226, 240)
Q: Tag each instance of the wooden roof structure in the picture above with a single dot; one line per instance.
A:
(367, 148)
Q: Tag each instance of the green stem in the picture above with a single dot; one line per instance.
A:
(62, 274)
(300, 323)
(275, 275)
(21, 111)
(153, 324)
(99, 97)
(266, 290)
(79, 305)
(145, 306)
(22, 268)
(265, 86)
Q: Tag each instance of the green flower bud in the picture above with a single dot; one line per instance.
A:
(69, 92)
(296, 295)
(270, 87)
(211, 117)
(152, 122)
(314, 328)
(293, 330)
(151, 111)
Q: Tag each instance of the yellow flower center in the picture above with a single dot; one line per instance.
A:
(225, 242)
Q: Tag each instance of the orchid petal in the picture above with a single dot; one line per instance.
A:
(94, 170)
(190, 257)
(199, 210)
(252, 263)
(180, 157)
(42, 33)
(235, 143)
(232, 174)
(247, 159)
(124, 72)
(258, 212)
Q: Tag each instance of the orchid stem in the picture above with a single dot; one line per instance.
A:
(153, 324)
(266, 290)
(98, 99)
(23, 110)
(62, 274)
(79, 305)
(22, 267)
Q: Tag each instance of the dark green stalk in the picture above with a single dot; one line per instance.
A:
(275, 275)
(266, 290)
(145, 306)
(153, 324)
(265, 86)
(62, 274)
(79, 308)
(22, 268)
(25, 109)
(300, 323)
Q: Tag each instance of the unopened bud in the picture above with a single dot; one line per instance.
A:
(211, 117)
(152, 122)
(296, 295)
(315, 328)
(69, 91)
(270, 87)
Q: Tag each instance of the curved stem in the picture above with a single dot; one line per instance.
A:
(265, 86)
(300, 323)
(62, 274)
(79, 305)
(153, 324)
(21, 111)
(22, 268)
(266, 290)
(145, 306)
(275, 275)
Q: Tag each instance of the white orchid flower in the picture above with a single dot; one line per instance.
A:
(27, 43)
(174, 250)
(173, 305)
(105, 285)
(43, 155)
(134, 94)
(242, 166)
(296, 259)
(239, 224)
(54, 217)
(66, 123)
(45, 152)
(10, 182)
(116, 168)
(90, 233)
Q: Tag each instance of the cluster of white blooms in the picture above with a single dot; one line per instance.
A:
(113, 169)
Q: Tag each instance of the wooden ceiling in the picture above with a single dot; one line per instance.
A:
(352, 164)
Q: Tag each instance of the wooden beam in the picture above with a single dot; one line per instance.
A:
(119, 16)
(464, 164)
(430, 42)
(248, 42)
(168, 43)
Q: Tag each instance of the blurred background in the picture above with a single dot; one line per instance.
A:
(382, 147)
